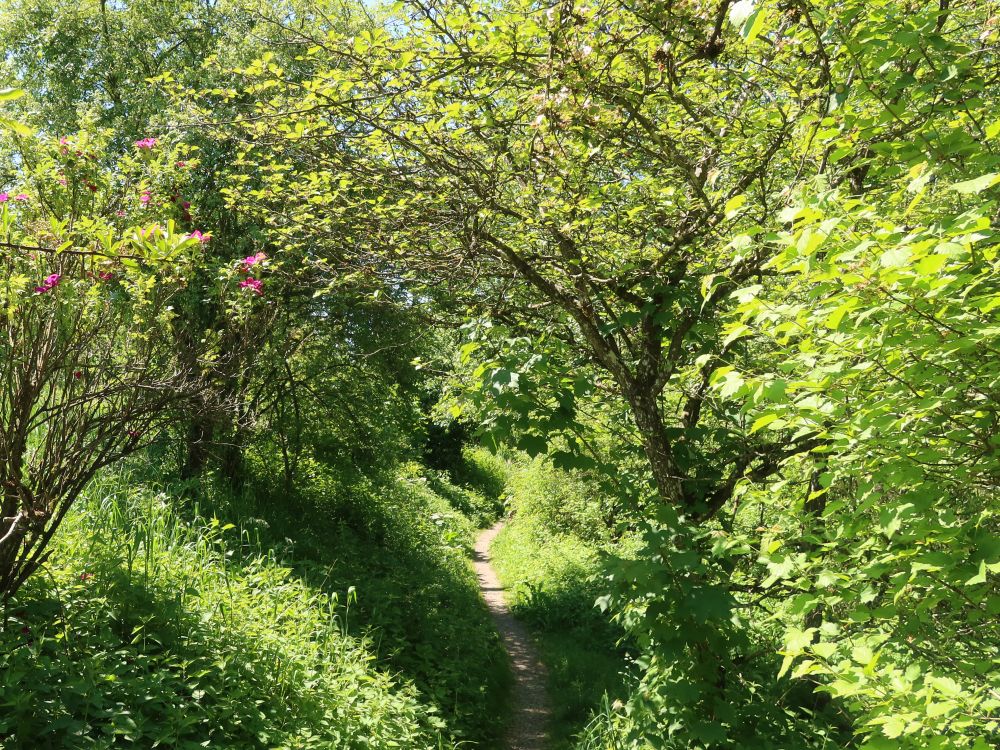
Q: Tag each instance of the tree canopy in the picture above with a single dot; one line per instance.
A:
(733, 262)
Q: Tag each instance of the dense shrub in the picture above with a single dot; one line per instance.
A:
(565, 502)
(402, 548)
(150, 631)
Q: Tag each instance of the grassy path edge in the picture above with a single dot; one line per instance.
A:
(531, 709)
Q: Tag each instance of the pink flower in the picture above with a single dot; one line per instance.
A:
(197, 235)
(145, 143)
(181, 164)
(4, 197)
(253, 260)
(21, 197)
(105, 275)
(145, 198)
(50, 283)
(64, 140)
(119, 212)
(253, 285)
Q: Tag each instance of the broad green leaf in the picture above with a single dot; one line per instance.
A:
(931, 264)
(893, 727)
(754, 25)
(734, 204)
(980, 577)
(895, 257)
(762, 422)
(978, 185)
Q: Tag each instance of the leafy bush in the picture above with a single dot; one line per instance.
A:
(554, 578)
(403, 549)
(151, 631)
(484, 471)
(565, 502)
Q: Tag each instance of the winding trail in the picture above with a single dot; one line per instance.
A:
(531, 704)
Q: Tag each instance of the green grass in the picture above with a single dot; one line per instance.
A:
(403, 548)
(346, 616)
(552, 575)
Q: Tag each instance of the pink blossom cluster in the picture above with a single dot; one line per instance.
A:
(4, 197)
(50, 283)
(250, 284)
(252, 260)
(145, 144)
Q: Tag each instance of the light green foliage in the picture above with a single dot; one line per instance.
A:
(886, 337)
(180, 631)
(554, 578)
(881, 331)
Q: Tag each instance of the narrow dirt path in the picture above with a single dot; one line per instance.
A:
(531, 705)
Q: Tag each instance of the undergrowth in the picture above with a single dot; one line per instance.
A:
(345, 616)
(146, 630)
(553, 574)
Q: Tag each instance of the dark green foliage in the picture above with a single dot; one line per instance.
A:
(401, 546)
(152, 629)
(555, 577)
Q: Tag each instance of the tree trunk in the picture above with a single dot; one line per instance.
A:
(667, 476)
(199, 439)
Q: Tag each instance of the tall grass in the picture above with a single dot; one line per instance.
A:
(343, 618)
(549, 557)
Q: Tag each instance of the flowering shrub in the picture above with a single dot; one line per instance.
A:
(88, 364)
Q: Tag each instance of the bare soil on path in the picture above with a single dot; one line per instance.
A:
(527, 729)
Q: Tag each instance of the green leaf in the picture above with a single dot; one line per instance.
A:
(762, 422)
(894, 257)
(533, 445)
(834, 319)
(18, 127)
(893, 727)
(931, 264)
(9, 95)
(824, 650)
(734, 204)
(978, 185)
(754, 25)
(980, 577)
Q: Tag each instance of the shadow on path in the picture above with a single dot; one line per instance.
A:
(530, 702)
